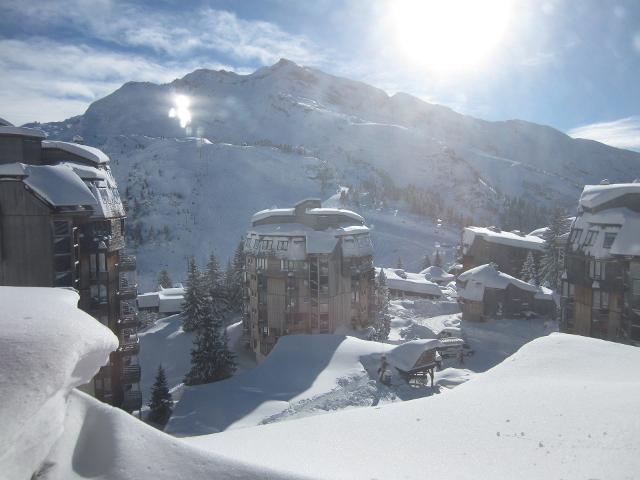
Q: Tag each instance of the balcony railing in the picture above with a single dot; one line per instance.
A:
(132, 400)
(127, 263)
(129, 321)
(129, 344)
(128, 292)
(130, 374)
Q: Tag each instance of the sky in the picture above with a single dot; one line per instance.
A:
(573, 65)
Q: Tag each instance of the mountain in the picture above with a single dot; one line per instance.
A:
(286, 132)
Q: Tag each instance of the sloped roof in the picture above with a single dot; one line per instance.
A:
(405, 356)
(58, 185)
(92, 154)
(22, 131)
(531, 242)
(436, 273)
(414, 283)
(596, 195)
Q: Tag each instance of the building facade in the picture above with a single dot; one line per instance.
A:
(507, 250)
(308, 270)
(62, 225)
(601, 283)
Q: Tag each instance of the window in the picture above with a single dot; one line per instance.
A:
(576, 233)
(261, 263)
(287, 265)
(590, 238)
(283, 244)
(609, 238)
(596, 269)
(266, 244)
(62, 253)
(600, 300)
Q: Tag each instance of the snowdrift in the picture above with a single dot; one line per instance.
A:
(47, 347)
(562, 407)
(299, 369)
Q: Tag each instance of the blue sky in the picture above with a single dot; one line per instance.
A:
(574, 65)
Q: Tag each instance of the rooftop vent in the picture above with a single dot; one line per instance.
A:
(493, 228)
(78, 139)
(604, 182)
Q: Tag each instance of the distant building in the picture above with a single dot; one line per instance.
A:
(601, 284)
(62, 225)
(308, 270)
(166, 301)
(484, 293)
(508, 250)
(401, 283)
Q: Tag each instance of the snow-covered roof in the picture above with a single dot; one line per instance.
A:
(486, 276)
(92, 154)
(413, 283)
(436, 273)
(405, 355)
(627, 240)
(621, 221)
(595, 195)
(22, 131)
(336, 211)
(5, 123)
(12, 170)
(544, 293)
(272, 212)
(320, 242)
(531, 242)
(58, 185)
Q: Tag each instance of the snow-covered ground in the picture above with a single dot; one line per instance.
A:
(562, 406)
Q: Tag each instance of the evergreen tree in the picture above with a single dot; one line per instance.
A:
(437, 259)
(399, 263)
(382, 318)
(211, 359)
(161, 403)
(164, 280)
(529, 273)
(195, 299)
(551, 268)
(426, 261)
(236, 280)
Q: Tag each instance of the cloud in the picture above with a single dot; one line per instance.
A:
(622, 133)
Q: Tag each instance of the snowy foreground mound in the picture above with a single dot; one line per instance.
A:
(562, 407)
(48, 346)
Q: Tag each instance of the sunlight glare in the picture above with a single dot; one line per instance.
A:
(448, 35)
(181, 110)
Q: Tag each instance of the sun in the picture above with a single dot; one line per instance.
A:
(447, 35)
(181, 110)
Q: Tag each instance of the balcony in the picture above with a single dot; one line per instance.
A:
(132, 400)
(130, 374)
(127, 263)
(128, 292)
(127, 309)
(129, 344)
(129, 321)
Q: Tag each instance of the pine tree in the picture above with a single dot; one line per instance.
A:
(529, 273)
(551, 268)
(426, 262)
(164, 280)
(211, 359)
(161, 403)
(399, 263)
(195, 299)
(437, 259)
(237, 284)
(382, 318)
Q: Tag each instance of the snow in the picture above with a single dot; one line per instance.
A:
(486, 276)
(413, 283)
(405, 355)
(531, 242)
(92, 154)
(320, 242)
(298, 369)
(336, 211)
(594, 196)
(622, 221)
(12, 170)
(627, 241)
(519, 407)
(166, 300)
(436, 274)
(47, 347)
(22, 131)
(272, 212)
(58, 185)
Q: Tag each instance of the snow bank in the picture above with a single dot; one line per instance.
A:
(299, 368)
(405, 355)
(47, 347)
(520, 407)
